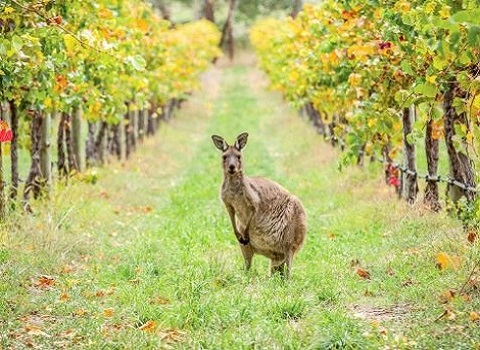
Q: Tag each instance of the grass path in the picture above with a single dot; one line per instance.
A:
(150, 247)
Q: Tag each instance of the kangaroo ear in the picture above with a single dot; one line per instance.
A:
(241, 141)
(220, 143)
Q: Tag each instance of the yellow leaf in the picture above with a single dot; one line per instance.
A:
(431, 79)
(8, 10)
(71, 43)
(444, 261)
(32, 329)
(354, 79)
(150, 326)
(445, 12)
(108, 312)
(48, 103)
(474, 316)
(469, 137)
(64, 297)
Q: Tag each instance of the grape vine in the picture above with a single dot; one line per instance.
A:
(378, 77)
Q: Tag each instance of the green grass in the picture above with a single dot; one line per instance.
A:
(151, 241)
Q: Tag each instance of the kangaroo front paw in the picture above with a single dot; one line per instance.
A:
(244, 241)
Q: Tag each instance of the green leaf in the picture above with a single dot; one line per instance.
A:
(4, 46)
(473, 37)
(467, 16)
(464, 59)
(17, 43)
(426, 89)
(407, 67)
(439, 63)
(137, 62)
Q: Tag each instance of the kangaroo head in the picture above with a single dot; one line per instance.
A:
(232, 155)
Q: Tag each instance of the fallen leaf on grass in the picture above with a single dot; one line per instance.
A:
(149, 326)
(109, 312)
(64, 297)
(79, 312)
(474, 316)
(444, 261)
(447, 296)
(472, 235)
(448, 314)
(67, 269)
(171, 335)
(32, 329)
(363, 273)
(44, 282)
(160, 301)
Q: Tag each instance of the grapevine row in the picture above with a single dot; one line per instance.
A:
(113, 67)
(381, 76)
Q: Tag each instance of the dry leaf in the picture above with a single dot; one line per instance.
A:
(160, 301)
(109, 312)
(474, 316)
(171, 335)
(447, 296)
(64, 297)
(363, 273)
(149, 326)
(79, 312)
(332, 236)
(472, 236)
(32, 329)
(44, 282)
(67, 269)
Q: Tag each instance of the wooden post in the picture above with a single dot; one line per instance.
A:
(45, 152)
(461, 168)
(77, 137)
(431, 198)
(409, 181)
(14, 149)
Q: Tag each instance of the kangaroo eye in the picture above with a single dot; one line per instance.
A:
(224, 157)
(239, 157)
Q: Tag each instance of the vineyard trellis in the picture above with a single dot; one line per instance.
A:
(115, 74)
(378, 77)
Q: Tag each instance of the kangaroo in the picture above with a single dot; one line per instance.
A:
(266, 218)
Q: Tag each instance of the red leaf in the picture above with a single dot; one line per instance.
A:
(9, 135)
(363, 273)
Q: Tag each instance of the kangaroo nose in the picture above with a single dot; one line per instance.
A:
(231, 168)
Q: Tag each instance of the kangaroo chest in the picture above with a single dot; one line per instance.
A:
(237, 195)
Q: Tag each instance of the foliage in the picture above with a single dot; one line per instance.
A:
(57, 55)
(365, 61)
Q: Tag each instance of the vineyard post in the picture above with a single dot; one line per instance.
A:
(142, 116)
(127, 123)
(101, 142)
(409, 180)
(61, 160)
(431, 197)
(3, 199)
(14, 149)
(45, 152)
(77, 137)
(133, 127)
(90, 153)
(460, 164)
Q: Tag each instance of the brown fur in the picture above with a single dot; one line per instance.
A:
(266, 218)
